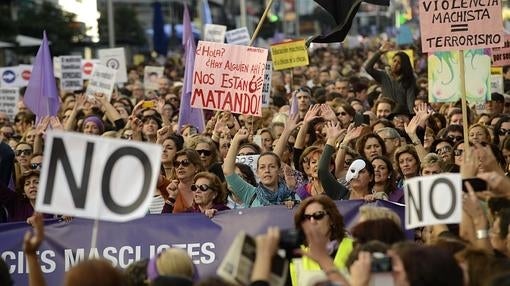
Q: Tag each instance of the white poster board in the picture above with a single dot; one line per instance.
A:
(266, 87)
(9, 97)
(238, 36)
(71, 75)
(102, 81)
(215, 33)
(151, 74)
(115, 59)
(435, 199)
(96, 177)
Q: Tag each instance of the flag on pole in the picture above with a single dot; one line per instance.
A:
(159, 38)
(41, 95)
(187, 114)
(206, 13)
(187, 30)
(293, 104)
(343, 12)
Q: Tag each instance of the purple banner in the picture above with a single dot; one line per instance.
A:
(206, 240)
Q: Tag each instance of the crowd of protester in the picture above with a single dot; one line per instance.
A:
(363, 126)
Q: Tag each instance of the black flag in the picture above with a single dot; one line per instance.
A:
(343, 11)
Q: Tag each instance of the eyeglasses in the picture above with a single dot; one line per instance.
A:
(26, 152)
(247, 154)
(458, 152)
(184, 163)
(503, 132)
(35, 166)
(202, 188)
(318, 215)
(455, 138)
(445, 149)
(341, 113)
(206, 153)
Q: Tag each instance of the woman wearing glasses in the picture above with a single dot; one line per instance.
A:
(270, 190)
(209, 194)
(322, 212)
(187, 164)
(207, 150)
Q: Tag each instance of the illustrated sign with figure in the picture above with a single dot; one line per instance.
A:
(448, 25)
(229, 77)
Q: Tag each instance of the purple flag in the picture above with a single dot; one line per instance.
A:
(187, 30)
(187, 114)
(41, 96)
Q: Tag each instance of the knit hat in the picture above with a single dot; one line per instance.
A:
(97, 121)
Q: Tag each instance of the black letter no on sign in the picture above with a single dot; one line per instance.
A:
(451, 187)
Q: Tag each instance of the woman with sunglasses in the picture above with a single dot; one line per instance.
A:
(322, 212)
(23, 153)
(209, 194)
(187, 164)
(207, 150)
(270, 190)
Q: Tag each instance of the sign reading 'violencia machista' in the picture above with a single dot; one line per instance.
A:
(460, 24)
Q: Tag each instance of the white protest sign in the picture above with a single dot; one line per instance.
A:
(15, 76)
(238, 36)
(250, 160)
(115, 59)
(71, 75)
(435, 199)
(96, 177)
(459, 25)
(497, 79)
(214, 33)
(102, 81)
(266, 87)
(151, 74)
(9, 97)
(87, 66)
(57, 70)
(26, 72)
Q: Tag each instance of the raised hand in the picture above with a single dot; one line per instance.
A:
(241, 135)
(422, 113)
(328, 113)
(386, 46)
(173, 189)
(41, 127)
(33, 239)
(333, 130)
(312, 113)
(352, 133)
(55, 123)
(163, 133)
(292, 122)
(411, 127)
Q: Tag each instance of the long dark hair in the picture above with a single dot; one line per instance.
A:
(406, 71)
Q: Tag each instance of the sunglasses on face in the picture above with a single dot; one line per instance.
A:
(455, 138)
(444, 150)
(504, 132)
(202, 188)
(458, 152)
(184, 163)
(35, 166)
(206, 153)
(318, 215)
(26, 152)
(341, 113)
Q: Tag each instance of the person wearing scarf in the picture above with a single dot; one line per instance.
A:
(270, 190)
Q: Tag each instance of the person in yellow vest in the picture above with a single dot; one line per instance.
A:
(322, 212)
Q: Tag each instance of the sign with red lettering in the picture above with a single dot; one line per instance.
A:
(229, 77)
(448, 25)
(501, 56)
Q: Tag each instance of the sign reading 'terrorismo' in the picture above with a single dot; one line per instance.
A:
(460, 24)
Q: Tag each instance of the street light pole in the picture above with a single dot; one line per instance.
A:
(111, 27)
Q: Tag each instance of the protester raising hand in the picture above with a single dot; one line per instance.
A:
(31, 243)
(111, 113)
(327, 113)
(267, 245)
(333, 132)
(163, 134)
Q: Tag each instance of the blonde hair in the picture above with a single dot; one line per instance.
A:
(374, 213)
(175, 262)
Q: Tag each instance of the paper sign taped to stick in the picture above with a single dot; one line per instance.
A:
(496, 80)
(435, 199)
(238, 36)
(71, 74)
(102, 81)
(266, 88)
(501, 56)
(96, 177)
(444, 76)
(115, 59)
(151, 74)
(228, 77)
(9, 97)
(448, 25)
(289, 54)
(214, 33)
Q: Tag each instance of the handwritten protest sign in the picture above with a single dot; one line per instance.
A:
(497, 79)
(214, 33)
(85, 176)
(238, 36)
(289, 54)
(444, 76)
(150, 77)
(9, 97)
(501, 56)
(71, 75)
(266, 87)
(433, 200)
(115, 59)
(102, 81)
(447, 25)
(228, 77)
(250, 160)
